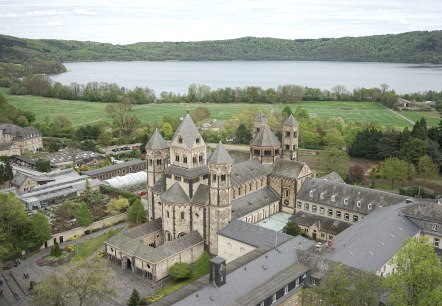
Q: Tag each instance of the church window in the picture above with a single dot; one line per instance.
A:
(198, 140)
(355, 218)
(200, 158)
(180, 139)
(223, 177)
(295, 134)
(294, 147)
(287, 147)
(370, 206)
(185, 159)
(197, 215)
(177, 158)
(287, 134)
(167, 214)
(286, 193)
(267, 152)
(194, 159)
(158, 162)
(256, 152)
(177, 178)
(214, 177)
(182, 215)
(150, 162)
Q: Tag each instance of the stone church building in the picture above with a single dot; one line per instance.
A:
(193, 194)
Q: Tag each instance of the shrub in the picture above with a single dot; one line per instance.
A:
(202, 265)
(55, 250)
(180, 271)
(87, 232)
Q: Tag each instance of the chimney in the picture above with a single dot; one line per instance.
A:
(218, 271)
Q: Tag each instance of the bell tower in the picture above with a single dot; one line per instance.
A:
(220, 167)
(258, 123)
(290, 134)
(156, 157)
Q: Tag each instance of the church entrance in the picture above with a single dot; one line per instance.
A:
(128, 264)
(314, 235)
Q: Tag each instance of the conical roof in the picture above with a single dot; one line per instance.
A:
(260, 117)
(187, 130)
(175, 195)
(265, 138)
(156, 142)
(291, 121)
(220, 156)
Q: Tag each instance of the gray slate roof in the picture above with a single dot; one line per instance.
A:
(160, 185)
(253, 234)
(156, 142)
(114, 167)
(252, 201)
(333, 177)
(287, 168)
(144, 229)
(201, 195)
(242, 284)
(19, 132)
(325, 224)
(291, 121)
(260, 117)
(425, 214)
(265, 138)
(175, 195)
(352, 193)
(370, 243)
(220, 156)
(154, 255)
(246, 171)
(188, 131)
(189, 173)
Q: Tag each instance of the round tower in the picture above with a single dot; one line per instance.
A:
(220, 167)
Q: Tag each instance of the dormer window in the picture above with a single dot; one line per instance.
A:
(311, 193)
(180, 139)
(346, 201)
(434, 227)
(370, 206)
(322, 195)
(358, 203)
(333, 198)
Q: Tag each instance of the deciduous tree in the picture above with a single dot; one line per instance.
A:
(117, 205)
(83, 216)
(426, 168)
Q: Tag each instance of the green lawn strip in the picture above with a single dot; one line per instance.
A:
(84, 112)
(89, 247)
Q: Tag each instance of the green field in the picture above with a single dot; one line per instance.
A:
(83, 112)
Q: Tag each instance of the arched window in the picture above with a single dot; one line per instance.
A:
(182, 215)
(167, 214)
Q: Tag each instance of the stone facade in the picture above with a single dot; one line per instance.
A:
(15, 140)
(108, 172)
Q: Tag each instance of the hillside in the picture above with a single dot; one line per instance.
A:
(45, 55)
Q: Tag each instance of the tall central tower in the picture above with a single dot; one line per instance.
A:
(290, 136)
(220, 213)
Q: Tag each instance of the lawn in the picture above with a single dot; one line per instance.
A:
(83, 112)
(89, 247)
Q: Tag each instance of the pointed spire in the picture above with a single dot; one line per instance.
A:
(220, 156)
(265, 138)
(175, 195)
(260, 117)
(187, 130)
(291, 121)
(156, 142)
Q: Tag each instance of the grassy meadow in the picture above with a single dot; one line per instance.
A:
(83, 112)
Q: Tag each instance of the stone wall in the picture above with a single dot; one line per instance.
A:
(79, 231)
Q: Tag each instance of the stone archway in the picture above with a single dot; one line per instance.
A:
(128, 264)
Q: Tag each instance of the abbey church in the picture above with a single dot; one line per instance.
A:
(193, 194)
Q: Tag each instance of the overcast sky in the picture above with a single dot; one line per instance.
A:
(129, 21)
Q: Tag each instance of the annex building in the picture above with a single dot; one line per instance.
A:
(15, 140)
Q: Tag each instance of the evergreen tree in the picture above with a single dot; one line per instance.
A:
(135, 299)
(243, 135)
(420, 130)
(136, 212)
(286, 112)
(84, 216)
(366, 144)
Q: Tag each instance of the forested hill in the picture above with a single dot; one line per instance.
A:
(411, 47)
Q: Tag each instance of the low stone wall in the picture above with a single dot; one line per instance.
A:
(79, 231)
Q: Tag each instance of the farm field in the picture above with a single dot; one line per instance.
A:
(83, 112)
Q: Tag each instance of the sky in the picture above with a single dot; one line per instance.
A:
(130, 21)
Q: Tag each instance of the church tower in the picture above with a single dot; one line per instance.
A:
(258, 123)
(265, 146)
(290, 129)
(220, 167)
(156, 157)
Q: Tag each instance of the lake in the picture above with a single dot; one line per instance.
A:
(177, 76)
